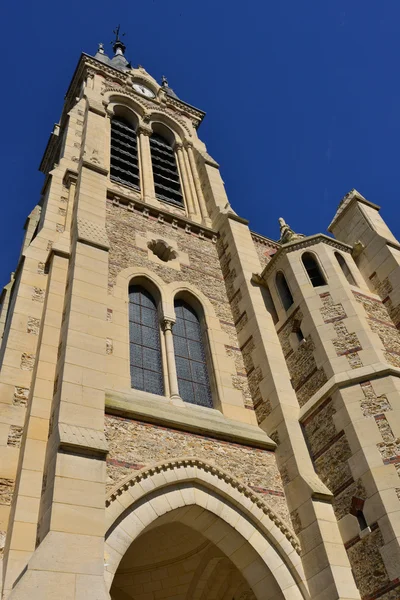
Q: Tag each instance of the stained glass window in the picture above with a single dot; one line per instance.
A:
(191, 367)
(144, 335)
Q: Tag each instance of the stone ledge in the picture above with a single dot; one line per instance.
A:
(346, 379)
(194, 419)
(82, 438)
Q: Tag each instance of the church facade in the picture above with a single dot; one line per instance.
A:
(190, 410)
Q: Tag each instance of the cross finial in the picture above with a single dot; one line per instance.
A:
(116, 33)
(118, 45)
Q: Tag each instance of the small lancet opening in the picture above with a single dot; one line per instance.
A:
(124, 166)
(345, 268)
(313, 269)
(165, 171)
(284, 291)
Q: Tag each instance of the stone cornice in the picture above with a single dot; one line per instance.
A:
(306, 242)
(211, 423)
(265, 240)
(118, 198)
(346, 379)
(148, 472)
(343, 208)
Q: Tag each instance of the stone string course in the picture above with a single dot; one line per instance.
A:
(134, 445)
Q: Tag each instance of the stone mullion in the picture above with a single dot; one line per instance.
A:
(171, 364)
(23, 524)
(190, 179)
(184, 179)
(146, 169)
(302, 488)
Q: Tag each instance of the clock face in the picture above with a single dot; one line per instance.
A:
(141, 89)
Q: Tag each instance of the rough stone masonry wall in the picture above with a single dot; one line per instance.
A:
(245, 363)
(330, 453)
(380, 322)
(134, 445)
(305, 375)
(204, 269)
(265, 250)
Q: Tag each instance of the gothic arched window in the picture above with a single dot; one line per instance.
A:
(144, 337)
(124, 155)
(191, 367)
(313, 269)
(344, 266)
(284, 292)
(165, 170)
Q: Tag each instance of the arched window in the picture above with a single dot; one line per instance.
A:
(124, 156)
(346, 271)
(191, 367)
(313, 269)
(284, 292)
(165, 171)
(269, 304)
(144, 335)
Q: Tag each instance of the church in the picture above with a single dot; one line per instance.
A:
(188, 409)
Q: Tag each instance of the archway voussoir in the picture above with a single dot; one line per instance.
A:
(283, 577)
(146, 513)
(160, 504)
(119, 540)
(188, 495)
(175, 498)
(231, 542)
(201, 497)
(132, 525)
(244, 527)
(229, 515)
(254, 572)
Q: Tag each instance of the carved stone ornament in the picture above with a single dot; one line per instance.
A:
(162, 250)
(287, 233)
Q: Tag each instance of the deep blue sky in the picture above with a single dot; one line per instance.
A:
(302, 97)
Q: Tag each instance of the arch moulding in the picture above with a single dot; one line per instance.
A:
(189, 490)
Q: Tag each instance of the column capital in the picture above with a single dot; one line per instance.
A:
(167, 324)
(188, 144)
(144, 130)
(178, 146)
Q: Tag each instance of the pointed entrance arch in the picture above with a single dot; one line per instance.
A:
(256, 546)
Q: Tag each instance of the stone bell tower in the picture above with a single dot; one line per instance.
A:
(170, 382)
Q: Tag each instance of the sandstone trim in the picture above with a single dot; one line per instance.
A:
(209, 422)
(208, 468)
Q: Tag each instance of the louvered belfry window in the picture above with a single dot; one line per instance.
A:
(191, 367)
(145, 348)
(165, 170)
(124, 153)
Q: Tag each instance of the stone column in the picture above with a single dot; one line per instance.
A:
(184, 177)
(146, 168)
(171, 365)
(70, 180)
(197, 184)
